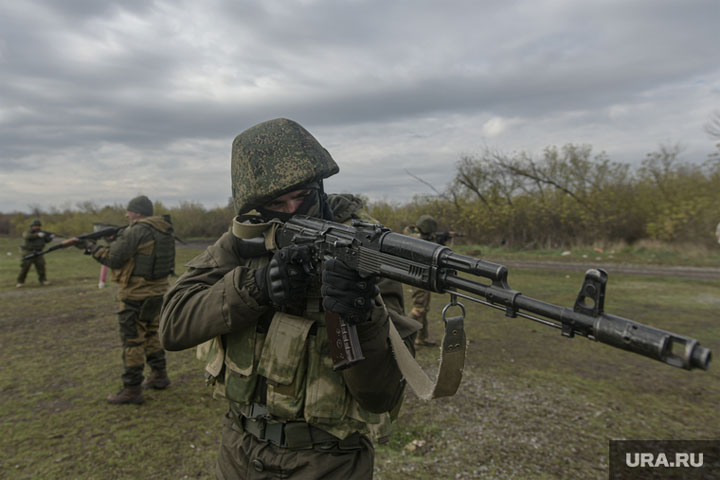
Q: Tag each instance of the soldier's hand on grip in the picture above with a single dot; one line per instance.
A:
(345, 292)
(285, 279)
(84, 245)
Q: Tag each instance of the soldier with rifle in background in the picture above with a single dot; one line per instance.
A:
(35, 241)
(426, 229)
(262, 315)
(141, 257)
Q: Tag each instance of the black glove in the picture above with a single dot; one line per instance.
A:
(285, 279)
(345, 292)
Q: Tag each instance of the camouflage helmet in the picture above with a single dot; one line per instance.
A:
(426, 224)
(36, 223)
(274, 158)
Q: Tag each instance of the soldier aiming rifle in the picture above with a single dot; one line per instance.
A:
(141, 257)
(35, 240)
(298, 312)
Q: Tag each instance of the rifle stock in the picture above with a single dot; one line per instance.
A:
(375, 250)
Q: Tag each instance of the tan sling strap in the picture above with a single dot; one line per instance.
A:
(452, 359)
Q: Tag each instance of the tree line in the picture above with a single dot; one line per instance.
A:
(569, 196)
(190, 219)
(566, 196)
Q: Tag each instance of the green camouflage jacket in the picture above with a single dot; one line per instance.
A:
(35, 240)
(121, 256)
(217, 298)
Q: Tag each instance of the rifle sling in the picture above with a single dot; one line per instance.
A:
(452, 361)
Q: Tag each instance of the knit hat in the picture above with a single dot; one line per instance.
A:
(141, 205)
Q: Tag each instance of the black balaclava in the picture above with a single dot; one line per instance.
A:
(314, 205)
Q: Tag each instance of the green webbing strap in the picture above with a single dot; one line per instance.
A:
(452, 361)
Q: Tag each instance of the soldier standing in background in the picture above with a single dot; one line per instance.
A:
(141, 258)
(258, 315)
(35, 241)
(424, 228)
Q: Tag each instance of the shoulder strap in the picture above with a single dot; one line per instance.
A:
(452, 361)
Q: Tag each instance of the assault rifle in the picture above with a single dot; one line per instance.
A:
(107, 231)
(443, 237)
(373, 249)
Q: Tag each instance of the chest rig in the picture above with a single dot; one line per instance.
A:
(281, 369)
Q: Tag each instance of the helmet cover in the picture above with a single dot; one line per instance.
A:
(426, 224)
(273, 158)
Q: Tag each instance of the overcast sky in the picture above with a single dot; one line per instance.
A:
(101, 102)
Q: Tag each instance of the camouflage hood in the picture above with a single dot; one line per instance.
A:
(158, 222)
(273, 158)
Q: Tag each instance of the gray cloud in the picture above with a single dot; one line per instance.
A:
(98, 102)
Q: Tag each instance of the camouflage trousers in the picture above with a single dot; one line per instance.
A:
(421, 306)
(242, 455)
(39, 263)
(139, 321)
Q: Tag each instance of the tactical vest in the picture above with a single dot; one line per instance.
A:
(293, 356)
(35, 243)
(161, 262)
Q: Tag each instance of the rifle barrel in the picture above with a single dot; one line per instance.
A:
(619, 332)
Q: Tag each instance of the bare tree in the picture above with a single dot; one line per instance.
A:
(473, 175)
(713, 125)
(571, 171)
(428, 184)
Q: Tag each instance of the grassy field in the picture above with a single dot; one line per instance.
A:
(532, 404)
(646, 252)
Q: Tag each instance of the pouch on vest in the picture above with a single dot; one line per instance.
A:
(213, 354)
(283, 363)
(241, 349)
(326, 398)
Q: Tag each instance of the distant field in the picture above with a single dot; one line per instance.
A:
(532, 404)
(643, 253)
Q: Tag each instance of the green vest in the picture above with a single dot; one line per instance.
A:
(301, 383)
(34, 242)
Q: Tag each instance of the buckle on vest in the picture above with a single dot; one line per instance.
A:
(292, 435)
